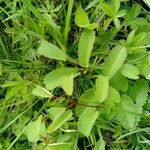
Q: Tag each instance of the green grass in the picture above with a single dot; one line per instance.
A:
(74, 75)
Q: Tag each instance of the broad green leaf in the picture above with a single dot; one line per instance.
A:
(51, 51)
(130, 71)
(36, 130)
(113, 97)
(59, 121)
(81, 18)
(121, 13)
(88, 96)
(55, 146)
(62, 77)
(115, 5)
(86, 121)
(67, 84)
(117, 23)
(55, 112)
(125, 115)
(119, 82)
(130, 37)
(85, 47)
(114, 61)
(41, 92)
(102, 85)
(107, 9)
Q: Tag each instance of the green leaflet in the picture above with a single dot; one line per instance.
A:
(115, 5)
(107, 9)
(41, 92)
(119, 82)
(130, 37)
(85, 47)
(67, 84)
(61, 77)
(130, 71)
(35, 130)
(59, 121)
(114, 61)
(82, 20)
(121, 13)
(113, 97)
(51, 51)
(124, 115)
(102, 85)
(55, 112)
(88, 96)
(54, 146)
(117, 23)
(87, 120)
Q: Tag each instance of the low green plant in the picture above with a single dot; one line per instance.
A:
(74, 75)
